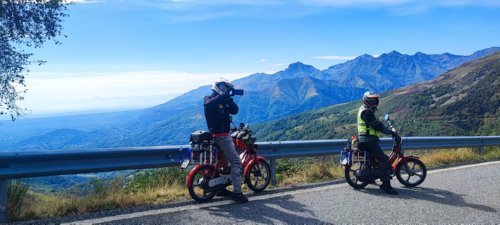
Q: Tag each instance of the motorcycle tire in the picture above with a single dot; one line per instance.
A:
(259, 172)
(406, 171)
(200, 179)
(352, 179)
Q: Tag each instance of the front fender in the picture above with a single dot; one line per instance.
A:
(249, 165)
(403, 159)
(193, 172)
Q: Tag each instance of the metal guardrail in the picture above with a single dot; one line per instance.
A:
(15, 165)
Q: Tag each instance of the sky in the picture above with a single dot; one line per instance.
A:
(130, 54)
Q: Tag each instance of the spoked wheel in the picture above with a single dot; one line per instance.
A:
(351, 178)
(411, 173)
(199, 184)
(259, 176)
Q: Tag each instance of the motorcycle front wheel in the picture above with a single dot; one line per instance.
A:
(351, 178)
(199, 184)
(258, 176)
(411, 173)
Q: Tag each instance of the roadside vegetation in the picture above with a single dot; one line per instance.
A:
(167, 184)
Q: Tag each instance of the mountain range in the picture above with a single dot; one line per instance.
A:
(296, 89)
(462, 101)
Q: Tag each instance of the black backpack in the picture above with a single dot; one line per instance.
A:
(200, 137)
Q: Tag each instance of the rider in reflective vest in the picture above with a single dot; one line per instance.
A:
(369, 131)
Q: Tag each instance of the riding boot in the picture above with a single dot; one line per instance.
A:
(386, 186)
(239, 197)
(224, 192)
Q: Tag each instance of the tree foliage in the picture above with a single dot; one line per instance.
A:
(24, 24)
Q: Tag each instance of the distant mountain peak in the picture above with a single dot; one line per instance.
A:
(300, 67)
(362, 57)
(394, 52)
(486, 51)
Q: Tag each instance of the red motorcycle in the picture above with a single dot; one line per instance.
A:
(211, 172)
(409, 170)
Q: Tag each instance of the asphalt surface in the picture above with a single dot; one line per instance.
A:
(458, 195)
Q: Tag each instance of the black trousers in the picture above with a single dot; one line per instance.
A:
(374, 150)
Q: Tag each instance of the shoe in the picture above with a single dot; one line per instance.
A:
(239, 197)
(224, 192)
(386, 186)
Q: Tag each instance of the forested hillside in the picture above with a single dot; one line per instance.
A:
(463, 101)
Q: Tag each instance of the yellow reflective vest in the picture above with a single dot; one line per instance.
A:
(363, 128)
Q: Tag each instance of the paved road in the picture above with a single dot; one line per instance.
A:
(466, 195)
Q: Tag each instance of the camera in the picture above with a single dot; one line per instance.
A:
(234, 92)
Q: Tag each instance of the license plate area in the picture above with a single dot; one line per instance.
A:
(185, 163)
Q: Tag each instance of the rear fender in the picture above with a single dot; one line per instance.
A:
(193, 172)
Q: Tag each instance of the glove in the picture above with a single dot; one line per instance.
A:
(224, 97)
(228, 92)
(396, 136)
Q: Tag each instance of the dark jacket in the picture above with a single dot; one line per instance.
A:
(217, 110)
(369, 117)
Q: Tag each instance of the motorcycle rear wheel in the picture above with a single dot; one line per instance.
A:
(259, 176)
(196, 187)
(411, 173)
(351, 178)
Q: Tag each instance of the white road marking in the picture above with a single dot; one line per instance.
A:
(228, 202)
(463, 167)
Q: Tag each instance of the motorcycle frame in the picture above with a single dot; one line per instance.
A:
(248, 157)
(397, 157)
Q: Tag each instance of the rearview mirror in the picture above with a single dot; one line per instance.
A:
(386, 117)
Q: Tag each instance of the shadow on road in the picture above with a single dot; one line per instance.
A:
(270, 211)
(432, 195)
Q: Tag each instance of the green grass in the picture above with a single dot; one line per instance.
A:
(145, 187)
(311, 170)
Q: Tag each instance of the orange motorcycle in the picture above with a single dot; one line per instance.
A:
(409, 170)
(210, 172)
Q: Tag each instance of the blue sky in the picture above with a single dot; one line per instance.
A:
(125, 54)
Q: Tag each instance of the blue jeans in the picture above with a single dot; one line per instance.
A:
(226, 145)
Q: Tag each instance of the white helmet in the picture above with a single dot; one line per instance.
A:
(370, 99)
(218, 83)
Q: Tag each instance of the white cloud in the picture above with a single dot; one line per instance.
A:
(401, 7)
(83, 1)
(280, 64)
(263, 60)
(334, 57)
(58, 92)
(385, 3)
(345, 3)
(201, 10)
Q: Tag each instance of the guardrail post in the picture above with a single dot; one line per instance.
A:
(3, 200)
(481, 147)
(273, 172)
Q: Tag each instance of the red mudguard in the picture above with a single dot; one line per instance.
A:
(400, 160)
(249, 165)
(191, 174)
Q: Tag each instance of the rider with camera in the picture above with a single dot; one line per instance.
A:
(218, 107)
(369, 131)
